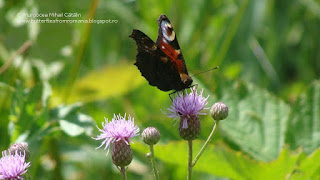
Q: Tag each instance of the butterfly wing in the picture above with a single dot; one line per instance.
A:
(162, 63)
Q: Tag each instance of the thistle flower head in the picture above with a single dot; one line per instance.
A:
(186, 106)
(116, 130)
(13, 166)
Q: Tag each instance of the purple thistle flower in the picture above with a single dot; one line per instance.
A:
(186, 106)
(13, 166)
(117, 129)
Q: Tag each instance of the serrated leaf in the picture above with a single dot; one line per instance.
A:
(281, 168)
(257, 120)
(308, 167)
(219, 160)
(216, 160)
(304, 124)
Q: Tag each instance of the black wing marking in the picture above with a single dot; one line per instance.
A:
(154, 65)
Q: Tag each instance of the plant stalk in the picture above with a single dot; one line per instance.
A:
(20, 51)
(189, 160)
(123, 173)
(153, 162)
(206, 143)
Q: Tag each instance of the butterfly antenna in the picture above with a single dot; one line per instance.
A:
(206, 71)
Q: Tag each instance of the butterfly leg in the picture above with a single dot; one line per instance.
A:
(174, 92)
(195, 85)
(190, 87)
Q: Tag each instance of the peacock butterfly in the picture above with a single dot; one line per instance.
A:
(162, 63)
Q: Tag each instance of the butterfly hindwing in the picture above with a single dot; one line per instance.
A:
(162, 63)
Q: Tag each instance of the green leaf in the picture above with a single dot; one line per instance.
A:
(104, 83)
(26, 109)
(219, 160)
(257, 120)
(304, 124)
(280, 168)
(71, 121)
(63, 111)
(216, 160)
(308, 167)
(71, 129)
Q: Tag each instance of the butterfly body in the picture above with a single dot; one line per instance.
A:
(162, 63)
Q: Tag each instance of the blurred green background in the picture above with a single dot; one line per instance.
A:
(54, 92)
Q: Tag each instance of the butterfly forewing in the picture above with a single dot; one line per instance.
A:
(162, 63)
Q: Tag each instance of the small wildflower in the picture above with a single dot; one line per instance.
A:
(150, 136)
(188, 107)
(219, 111)
(13, 166)
(20, 148)
(118, 131)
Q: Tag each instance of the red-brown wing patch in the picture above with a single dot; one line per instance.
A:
(173, 56)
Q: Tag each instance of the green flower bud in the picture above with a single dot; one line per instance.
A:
(20, 148)
(150, 136)
(219, 111)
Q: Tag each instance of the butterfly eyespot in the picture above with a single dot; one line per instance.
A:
(167, 31)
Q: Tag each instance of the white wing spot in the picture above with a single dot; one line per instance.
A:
(162, 47)
(164, 26)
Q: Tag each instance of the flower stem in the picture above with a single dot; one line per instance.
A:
(153, 162)
(80, 55)
(189, 160)
(21, 50)
(123, 173)
(206, 143)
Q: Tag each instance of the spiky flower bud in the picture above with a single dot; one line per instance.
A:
(20, 148)
(219, 111)
(121, 153)
(150, 136)
(193, 130)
